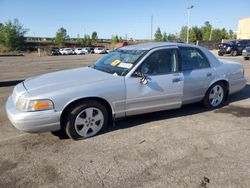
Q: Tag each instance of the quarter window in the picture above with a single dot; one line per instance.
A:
(192, 58)
(160, 62)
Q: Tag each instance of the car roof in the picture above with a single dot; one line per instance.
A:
(149, 46)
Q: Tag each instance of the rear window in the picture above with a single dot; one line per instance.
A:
(192, 58)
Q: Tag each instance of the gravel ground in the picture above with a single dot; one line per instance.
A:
(187, 147)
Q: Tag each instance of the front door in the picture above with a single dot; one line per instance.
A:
(163, 88)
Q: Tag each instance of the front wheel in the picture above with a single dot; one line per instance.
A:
(86, 120)
(220, 53)
(215, 95)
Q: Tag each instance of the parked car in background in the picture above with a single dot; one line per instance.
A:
(108, 50)
(92, 50)
(86, 50)
(100, 51)
(233, 48)
(89, 50)
(79, 51)
(66, 51)
(131, 80)
(54, 51)
(246, 53)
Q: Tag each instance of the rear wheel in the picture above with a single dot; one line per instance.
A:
(86, 120)
(246, 58)
(215, 95)
(234, 53)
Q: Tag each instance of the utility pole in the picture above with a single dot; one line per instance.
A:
(189, 10)
(152, 19)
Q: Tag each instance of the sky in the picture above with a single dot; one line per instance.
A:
(131, 18)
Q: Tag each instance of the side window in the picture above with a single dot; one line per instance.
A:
(160, 62)
(192, 58)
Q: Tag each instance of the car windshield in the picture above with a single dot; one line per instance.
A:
(232, 43)
(118, 62)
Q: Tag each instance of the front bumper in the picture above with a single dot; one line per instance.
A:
(224, 51)
(35, 122)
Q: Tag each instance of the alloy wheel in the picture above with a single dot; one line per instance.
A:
(216, 95)
(89, 122)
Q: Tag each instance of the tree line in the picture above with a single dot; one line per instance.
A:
(87, 40)
(204, 33)
(12, 35)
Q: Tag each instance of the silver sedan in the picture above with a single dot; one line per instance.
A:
(131, 80)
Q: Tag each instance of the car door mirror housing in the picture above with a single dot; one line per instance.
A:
(144, 80)
(138, 74)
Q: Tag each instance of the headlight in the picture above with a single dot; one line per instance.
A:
(27, 105)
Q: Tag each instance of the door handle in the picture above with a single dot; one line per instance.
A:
(209, 74)
(176, 80)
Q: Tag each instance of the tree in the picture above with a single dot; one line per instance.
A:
(183, 34)
(61, 36)
(158, 35)
(219, 34)
(86, 41)
(78, 40)
(94, 36)
(12, 35)
(206, 30)
(172, 37)
(195, 34)
(116, 39)
(231, 34)
(164, 37)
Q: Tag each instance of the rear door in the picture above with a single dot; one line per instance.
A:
(164, 86)
(197, 72)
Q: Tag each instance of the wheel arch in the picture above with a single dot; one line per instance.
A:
(74, 102)
(225, 82)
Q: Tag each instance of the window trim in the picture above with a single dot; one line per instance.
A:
(156, 50)
(197, 49)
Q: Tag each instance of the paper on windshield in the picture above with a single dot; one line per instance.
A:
(115, 62)
(125, 65)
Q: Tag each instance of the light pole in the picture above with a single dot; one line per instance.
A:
(189, 10)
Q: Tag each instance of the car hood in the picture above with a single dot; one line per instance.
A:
(64, 79)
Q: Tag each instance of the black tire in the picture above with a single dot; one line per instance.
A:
(246, 58)
(206, 101)
(220, 54)
(69, 124)
(60, 134)
(234, 53)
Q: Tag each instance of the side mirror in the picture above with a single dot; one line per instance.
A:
(144, 80)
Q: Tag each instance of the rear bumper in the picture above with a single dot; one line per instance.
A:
(35, 122)
(237, 85)
(246, 54)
